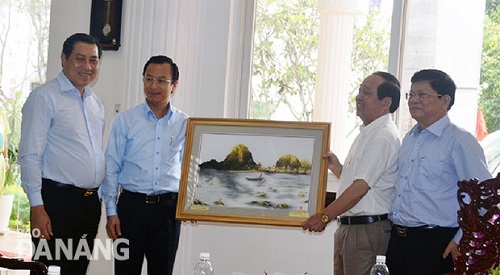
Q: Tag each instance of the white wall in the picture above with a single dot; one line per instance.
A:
(202, 37)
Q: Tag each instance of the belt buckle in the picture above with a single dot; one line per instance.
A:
(88, 193)
(152, 199)
(401, 231)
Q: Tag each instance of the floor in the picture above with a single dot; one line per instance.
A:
(15, 245)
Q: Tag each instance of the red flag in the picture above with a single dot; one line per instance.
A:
(481, 129)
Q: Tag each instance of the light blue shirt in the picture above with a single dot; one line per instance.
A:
(431, 162)
(61, 138)
(144, 154)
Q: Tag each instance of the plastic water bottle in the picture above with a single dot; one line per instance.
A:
(54, 270)
(379, 268)
(204, 267)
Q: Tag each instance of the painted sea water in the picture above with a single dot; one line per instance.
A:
(253, 189)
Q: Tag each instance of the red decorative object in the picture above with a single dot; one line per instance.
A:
(479, 218)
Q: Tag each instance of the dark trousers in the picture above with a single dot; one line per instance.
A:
(75, 217)
(152, 231)
(419, 250)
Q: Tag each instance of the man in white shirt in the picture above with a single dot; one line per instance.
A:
(367, 180)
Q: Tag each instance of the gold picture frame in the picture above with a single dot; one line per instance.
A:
(253, 171)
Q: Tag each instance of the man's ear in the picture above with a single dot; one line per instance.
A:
(63, 59)
(446, 101)
(387, 101)
(174, 88)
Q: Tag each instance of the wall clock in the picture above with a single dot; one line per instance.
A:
(105, 22)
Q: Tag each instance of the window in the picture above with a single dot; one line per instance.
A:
(287, 77)
(399, 36)
(307, 67)
(284, 59)
(24, 34)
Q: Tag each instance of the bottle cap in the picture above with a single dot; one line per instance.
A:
(54, 269)
(204, 256)
(380, 258)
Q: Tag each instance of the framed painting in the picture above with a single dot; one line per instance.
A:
(253, 171)
(105, 22)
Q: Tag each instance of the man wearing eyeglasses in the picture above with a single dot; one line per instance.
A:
(435, 154)
(143, 160)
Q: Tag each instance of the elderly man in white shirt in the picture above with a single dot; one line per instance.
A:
(367, 180)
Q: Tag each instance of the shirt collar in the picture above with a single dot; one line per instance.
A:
(375, 124)
(67, 86)
(435, 128)
(145, 108)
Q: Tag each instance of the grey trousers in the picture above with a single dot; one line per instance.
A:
(356, 247)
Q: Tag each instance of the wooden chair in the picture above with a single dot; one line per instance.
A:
(19, 264)
(479, 218)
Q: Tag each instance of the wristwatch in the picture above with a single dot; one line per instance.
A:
(325, 219)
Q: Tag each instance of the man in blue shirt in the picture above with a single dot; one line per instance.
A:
(62, 160)
(143, 159)
(435, 154)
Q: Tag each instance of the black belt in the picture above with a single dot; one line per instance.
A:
(362, 219)
(149, 199)
(83, 191)
(404, 231)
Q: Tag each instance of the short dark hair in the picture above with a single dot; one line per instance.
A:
(160, 59)
(390, 88)
(440, 81)
(69, 44)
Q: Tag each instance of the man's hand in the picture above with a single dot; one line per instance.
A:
(453, 249)
(113, 227)
(41, 226)
(314, 223)
(333, 163)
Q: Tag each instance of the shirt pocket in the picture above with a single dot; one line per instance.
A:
(430, 177)
(175, 149)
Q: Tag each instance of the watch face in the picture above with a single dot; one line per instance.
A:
(325, 219)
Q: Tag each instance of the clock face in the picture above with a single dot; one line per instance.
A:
(106, 30)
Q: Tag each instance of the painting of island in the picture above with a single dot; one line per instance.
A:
(254, 172)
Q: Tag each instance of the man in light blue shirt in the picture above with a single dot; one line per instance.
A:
(435, 154)
(143, 159)
(61, 157)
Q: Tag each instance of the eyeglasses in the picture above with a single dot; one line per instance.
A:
(421, 95)
(161, 82)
